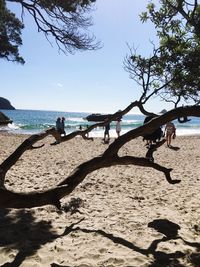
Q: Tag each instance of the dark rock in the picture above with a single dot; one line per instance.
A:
(4, 120)
(5, 104)
(97, 117)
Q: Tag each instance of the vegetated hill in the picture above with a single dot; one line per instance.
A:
(5, 104)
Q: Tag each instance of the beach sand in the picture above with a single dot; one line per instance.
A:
(126, 216)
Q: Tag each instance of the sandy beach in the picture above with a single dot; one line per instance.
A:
(123, 216)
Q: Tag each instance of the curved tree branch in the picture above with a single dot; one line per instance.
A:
(107, 159)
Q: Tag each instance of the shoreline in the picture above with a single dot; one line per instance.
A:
(100, 133)
(32, 122)
(123, 211)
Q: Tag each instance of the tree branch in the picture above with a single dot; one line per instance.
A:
(108, 158)
(64, 21)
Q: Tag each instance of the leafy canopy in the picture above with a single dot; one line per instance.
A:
(64, 21)
(173, 71)
(10, 34)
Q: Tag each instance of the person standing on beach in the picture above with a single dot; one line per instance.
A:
(59, 125)
(63, 126)
(106, 133)
(170, 132)
(118, 127)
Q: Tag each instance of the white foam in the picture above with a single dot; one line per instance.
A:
(113, 134)
(13, 126)
(182, 132)
(76, 119)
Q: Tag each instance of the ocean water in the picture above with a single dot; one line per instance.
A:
(35, 121)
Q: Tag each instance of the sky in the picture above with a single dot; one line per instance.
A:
(89, 81)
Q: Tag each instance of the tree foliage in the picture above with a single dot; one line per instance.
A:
(64, 21)
(173, 70)
(10, 34)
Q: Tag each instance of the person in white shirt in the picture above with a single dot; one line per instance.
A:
(118, 127)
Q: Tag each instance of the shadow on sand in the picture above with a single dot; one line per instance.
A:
(170, 231)
(174, 148)
(23, 233)
(37, 233)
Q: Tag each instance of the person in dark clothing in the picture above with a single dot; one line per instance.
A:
(106, 133)
(59, 125)
(63, 126)
(154, 136)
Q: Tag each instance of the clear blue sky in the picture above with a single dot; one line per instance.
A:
(92, 81)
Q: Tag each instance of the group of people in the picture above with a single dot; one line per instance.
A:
(107, 129)
(60, 125)
(169, 133)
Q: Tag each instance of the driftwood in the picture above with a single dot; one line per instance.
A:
(9, 199)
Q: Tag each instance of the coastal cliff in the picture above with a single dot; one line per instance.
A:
(5, 104)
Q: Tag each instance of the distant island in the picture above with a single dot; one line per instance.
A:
(5, 104)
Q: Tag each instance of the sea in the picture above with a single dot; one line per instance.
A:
(36, 121)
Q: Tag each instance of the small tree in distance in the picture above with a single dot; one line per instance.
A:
(168, 73)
